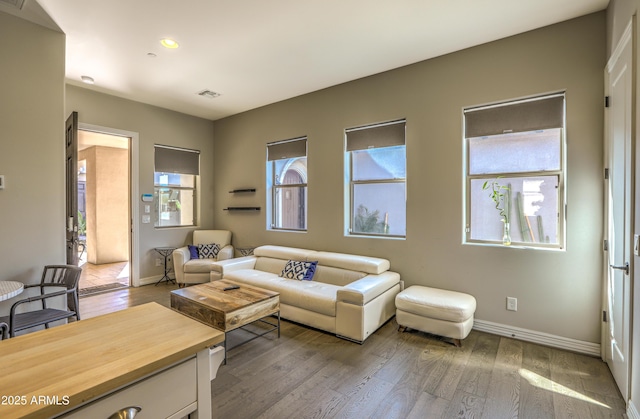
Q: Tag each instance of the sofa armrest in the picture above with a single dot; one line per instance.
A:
(366, 289)
(180, 255)
(219, 268)
(225, 253)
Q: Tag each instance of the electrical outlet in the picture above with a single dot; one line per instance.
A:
(158, 262)
(512, 304)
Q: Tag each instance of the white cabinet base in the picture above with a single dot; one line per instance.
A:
(216, 356)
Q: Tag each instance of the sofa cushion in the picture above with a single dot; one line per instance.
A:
(286, 253)
(336, 276)
(222, 237)
(300, 270)
(366, 264)
(275, 266)
(308, 295)
(196, 266)
(436, 303)
(208, 251)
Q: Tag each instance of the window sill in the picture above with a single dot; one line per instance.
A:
(284, 230)
(170, 227)
(365, 236)
(515, 246)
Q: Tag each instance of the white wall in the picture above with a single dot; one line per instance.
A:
(31, 149)
(558, 292)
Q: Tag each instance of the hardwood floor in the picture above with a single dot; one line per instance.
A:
(311, 374)
(94, 305)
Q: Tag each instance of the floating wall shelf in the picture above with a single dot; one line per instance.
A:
(242, 209)
(243, 190)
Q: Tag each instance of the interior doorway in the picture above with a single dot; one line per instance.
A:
(104, 216)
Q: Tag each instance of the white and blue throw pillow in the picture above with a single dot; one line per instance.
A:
(208, 251)
(300, 270)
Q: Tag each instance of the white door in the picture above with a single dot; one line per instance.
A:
(618, 142)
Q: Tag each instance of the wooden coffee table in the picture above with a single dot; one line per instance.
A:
(228, 310)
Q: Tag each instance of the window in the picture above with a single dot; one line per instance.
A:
(376, 165)
(287, 185)
(175, 179)
(518, 149)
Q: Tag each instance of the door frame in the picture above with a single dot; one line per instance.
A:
(134, 190)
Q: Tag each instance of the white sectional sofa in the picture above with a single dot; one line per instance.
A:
(349, 295)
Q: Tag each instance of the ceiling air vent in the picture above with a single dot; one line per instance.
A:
(13, 3)
(205, 93)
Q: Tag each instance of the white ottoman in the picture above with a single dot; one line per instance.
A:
(436, 311)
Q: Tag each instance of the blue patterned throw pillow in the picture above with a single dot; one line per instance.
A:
(193, 251)
(311, 270)
(300, 270)
(208, 251)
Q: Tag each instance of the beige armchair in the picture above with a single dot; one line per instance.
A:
(196, 270)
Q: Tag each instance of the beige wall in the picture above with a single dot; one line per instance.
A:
(558, 292)
(107, 204)
(154, 126)
(31, 149)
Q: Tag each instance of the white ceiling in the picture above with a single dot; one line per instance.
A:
(257, 52)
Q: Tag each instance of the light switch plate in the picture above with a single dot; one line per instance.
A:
(146, 219)
(147, 209)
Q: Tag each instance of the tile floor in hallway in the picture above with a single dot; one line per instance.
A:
(95, 275)
(101, 275)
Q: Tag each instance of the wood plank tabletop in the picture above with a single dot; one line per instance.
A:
(213, 294)
(47, 372)
(225, 310)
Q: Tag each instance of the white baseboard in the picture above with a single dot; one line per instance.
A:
(560, 342)
(632, 411)
(151, 280)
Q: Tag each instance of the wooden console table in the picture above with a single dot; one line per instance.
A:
(98, 366)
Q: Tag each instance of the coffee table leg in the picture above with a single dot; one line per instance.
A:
(224, 345)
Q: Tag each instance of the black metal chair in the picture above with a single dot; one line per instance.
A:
(67, 276)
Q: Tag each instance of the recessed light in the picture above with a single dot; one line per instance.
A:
(169, 43)
(87, 79)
